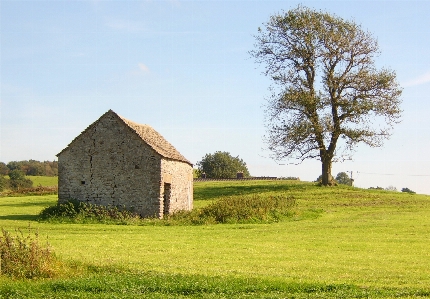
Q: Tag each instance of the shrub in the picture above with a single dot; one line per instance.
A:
(241, 209)
(77, 211)
(4, 183)
(407, 190)
(344, 179)
(25, 257)
(18, 180)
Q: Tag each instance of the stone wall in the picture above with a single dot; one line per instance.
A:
(179, 176)
(110, 165)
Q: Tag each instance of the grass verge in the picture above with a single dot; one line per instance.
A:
(108, 283)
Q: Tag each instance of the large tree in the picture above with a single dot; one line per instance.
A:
(327, 94)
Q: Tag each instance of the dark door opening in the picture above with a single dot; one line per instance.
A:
(166, 199)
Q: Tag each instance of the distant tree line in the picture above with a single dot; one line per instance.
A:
(30, 167)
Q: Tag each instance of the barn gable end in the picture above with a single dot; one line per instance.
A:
(120, 163)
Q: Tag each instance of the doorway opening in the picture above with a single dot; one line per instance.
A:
(166, 198)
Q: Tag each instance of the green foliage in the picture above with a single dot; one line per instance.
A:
(24, 257)
(326, 87)
(18, 180)
(407, 190)
(4, 183)
(82, 212)
(343, 178)
(240, 209)
(3, 169)
(16, 175)
(221, 165)
(33, 167)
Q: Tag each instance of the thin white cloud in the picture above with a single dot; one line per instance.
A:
(423, 79)
(143, 68)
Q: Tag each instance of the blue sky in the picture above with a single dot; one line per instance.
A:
(183, 67)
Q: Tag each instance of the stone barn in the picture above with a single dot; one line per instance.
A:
(117, 162)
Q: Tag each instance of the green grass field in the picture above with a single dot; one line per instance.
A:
(344, 243)
(44, 180)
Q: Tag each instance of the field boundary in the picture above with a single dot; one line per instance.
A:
(247, 179)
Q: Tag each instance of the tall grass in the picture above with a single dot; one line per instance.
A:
(25, 257)
(254, 208)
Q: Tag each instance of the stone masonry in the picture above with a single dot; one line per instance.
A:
(116, 162)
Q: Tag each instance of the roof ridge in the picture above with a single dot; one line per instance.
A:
(147, 134)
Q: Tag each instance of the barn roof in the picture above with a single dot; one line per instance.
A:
(147, 134)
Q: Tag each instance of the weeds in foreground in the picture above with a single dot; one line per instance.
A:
(25, 257)
(240, 209)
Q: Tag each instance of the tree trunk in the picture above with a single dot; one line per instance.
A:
(327, 178)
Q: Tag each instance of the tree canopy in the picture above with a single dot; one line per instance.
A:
(31, 167)
(343, 178)
(222, 165)
(327, 94)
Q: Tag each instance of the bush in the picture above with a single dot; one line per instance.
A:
(4, 183)
(344, 179)
(18, 180)
(407, 190)
(242, 209)
(77, 211)
(25, 257)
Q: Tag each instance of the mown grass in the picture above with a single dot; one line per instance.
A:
(112, 284)
(360, 244)
(44, 180)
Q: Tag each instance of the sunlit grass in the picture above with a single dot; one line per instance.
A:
(44, 180)
(362, 241)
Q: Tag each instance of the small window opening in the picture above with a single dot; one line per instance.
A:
(136, 167)
(82, 182)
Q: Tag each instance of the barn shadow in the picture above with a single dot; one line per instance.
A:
(19, 217)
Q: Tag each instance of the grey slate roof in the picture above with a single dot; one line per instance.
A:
(145, 132)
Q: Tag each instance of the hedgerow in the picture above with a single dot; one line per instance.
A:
(240, 209)
(77, 211)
